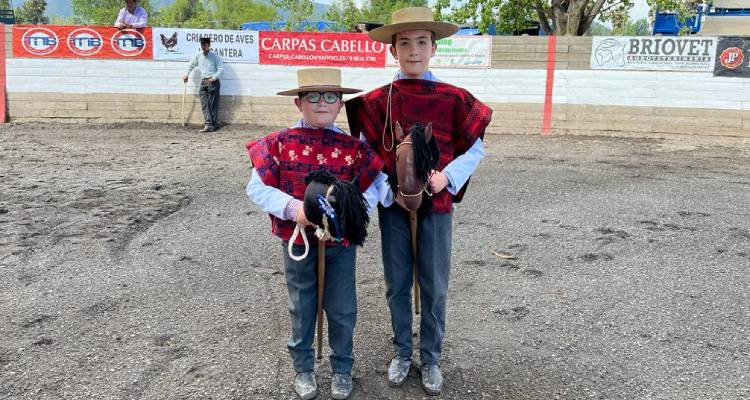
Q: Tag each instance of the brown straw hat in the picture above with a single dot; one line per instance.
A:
(410, 19)
(318, 80)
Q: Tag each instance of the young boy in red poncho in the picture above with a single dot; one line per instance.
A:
(281, 162)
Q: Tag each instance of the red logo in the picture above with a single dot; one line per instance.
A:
(732, 57)
(39, 41)
(85, 42)
(128, 43)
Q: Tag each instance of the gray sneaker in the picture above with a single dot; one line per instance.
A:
(398, 371)
(305, 386)
(432, 379)
(341, 386)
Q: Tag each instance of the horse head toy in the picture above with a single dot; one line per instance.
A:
(337, 208)
(417, 155)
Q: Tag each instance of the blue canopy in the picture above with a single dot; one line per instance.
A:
(319, 26)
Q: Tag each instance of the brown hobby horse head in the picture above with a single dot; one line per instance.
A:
(417, 155)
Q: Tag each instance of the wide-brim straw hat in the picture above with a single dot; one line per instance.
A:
(410, 19)
(318, 80)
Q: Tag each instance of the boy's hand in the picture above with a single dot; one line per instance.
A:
(300, 218)
(438, 181)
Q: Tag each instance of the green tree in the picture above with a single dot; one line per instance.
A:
(298, 11)
(599, 29)
(381, 10)
(184, 14)
(60, 20)
(632, 28)
(104, 12)
(32, 12)
(506, 15)
(558, 17)
(345, 14)
(230, 14)
(684, 9)
(5, 4)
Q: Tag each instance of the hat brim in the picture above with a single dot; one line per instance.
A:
(322, 88)
(384, 34)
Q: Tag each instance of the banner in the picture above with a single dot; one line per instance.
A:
(733, 57)
(694, 54)
(3, 105)
(321, 49)
(182, 44)
(458, 52)
(81, 42)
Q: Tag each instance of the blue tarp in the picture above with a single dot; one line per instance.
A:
(468, 31)
(319, 26)
(669, 24)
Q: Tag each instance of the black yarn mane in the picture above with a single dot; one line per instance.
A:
(426, 157)
(350, 205)
(426, 154)
(321, 176)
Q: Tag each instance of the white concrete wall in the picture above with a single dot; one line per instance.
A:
(574, 87)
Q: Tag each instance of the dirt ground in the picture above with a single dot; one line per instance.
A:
(133, 266)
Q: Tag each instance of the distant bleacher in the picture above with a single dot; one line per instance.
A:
(727, 17)
(7, 17)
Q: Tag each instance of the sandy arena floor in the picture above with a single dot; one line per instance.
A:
(133, 266)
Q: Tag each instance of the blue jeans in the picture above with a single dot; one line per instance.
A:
(339, 303)
(433, 264)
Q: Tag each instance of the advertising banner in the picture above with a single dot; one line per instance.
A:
(182, 44)
(49, 41)
(733, 57)
(459, 52)
(321, 49)
(690, 53)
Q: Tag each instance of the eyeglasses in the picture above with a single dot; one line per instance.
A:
(314, 97)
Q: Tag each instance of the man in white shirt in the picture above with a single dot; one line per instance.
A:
(131, 16)
(211, 67)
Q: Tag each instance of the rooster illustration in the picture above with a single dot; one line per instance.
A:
(169, 43)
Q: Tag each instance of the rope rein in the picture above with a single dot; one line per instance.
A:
(323, 234)
(387, 124)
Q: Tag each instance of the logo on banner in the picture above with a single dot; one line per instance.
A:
(39, 41)
(169, 43)
(85, 42)
(128, 43)
(610, 53)
(732, 57)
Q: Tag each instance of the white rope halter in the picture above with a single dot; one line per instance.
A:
(323, 234)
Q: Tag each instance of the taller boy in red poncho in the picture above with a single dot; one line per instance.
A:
(458, 122)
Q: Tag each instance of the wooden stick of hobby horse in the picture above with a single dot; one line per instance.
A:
(413, 220)
(321, 284)
(184, 92)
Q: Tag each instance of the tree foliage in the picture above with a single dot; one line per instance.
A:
(103, 12)
(558, 17)
(183, 14)
(230, 14)
(344, 14)
(297, 11)
(32, 12)
(381, 10)
(555, 17)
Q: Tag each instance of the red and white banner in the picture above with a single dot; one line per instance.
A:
(321, 49)
(2, 76)
(81, 42)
